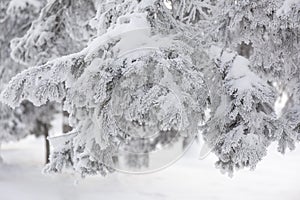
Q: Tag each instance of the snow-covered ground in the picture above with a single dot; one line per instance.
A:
(277, 177)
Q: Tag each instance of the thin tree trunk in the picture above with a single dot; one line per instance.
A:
(47, 144)
(66, 127)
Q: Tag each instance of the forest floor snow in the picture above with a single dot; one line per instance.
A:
(277, 177)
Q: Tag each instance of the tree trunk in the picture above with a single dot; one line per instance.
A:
(47, 144)
(66, 127)
(245, 50)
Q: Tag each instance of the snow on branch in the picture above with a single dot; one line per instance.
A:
(128, 77)
(244, 124)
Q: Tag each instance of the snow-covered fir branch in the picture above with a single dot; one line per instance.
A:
(135, 66)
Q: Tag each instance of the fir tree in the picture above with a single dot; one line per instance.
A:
(16, 19)
(127, 68)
